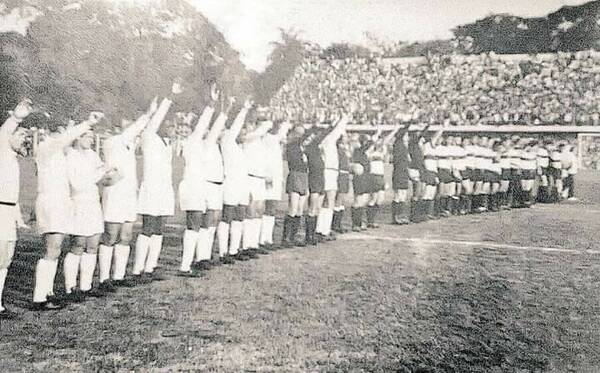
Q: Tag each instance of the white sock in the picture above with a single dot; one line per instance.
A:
(257, 225)
(87, 266)
(271, 227)
(40, 289)
(327, 223)
(247, 234)
(210, 241)
(201, 244)
(236, 237)
(70, 271)
(105, 254)
(321, 221)
(190, 238)
(121, 259)
(153, 253)
(223, 238)
(3, 273)
(141, 253)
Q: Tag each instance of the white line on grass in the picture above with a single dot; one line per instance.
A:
(483, 244)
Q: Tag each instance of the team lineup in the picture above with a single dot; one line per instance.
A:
(233, 185)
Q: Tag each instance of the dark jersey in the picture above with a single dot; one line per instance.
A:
(400, 157)
(417, 160)
(343, 159)
(315, 159)
(295, 156)
(360, 156)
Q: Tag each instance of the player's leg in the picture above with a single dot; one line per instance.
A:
(7, 251)
(72, 268)
(224, 229)
(45, 272)
(194, 221)
(87, 266)
(106, 253)
(315, 200)
(268, 223)
(142, 244)
(121, 255)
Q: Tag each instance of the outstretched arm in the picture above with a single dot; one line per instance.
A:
(159, 116)
(284, 129)
(337, 131)
(22, 110)
(390, 137)
(258, 132)
(240, 119)
(202, 125)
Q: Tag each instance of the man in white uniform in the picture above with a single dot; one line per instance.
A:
(156, 200)
(53, 207)
(12, 140)
(274, 180)
(256, 160)
(85, 170)
(119, 202)
(192, 196)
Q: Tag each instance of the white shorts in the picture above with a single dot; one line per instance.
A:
(87, 216)
(213, 196)
(331, 179)
(8, 222)
(119, 204)
(414, 174)
(192, 196)
(156, 200)
(53, 214)
(257, 188)
(236, 191)
(274, 190)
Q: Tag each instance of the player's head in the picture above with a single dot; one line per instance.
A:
(85, 141)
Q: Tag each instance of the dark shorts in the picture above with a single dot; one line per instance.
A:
(344, 183)
(528, 174)
(466, 174)
(376, 183)
(297, 182)
(429, 177)
(515, 174)
(445, 176)
(489, 176)
(545, 171)
(400, 179)
(495, 177)
(506, 174)
(476, 175)
(316, 181)
(361, 184)
(556, 173)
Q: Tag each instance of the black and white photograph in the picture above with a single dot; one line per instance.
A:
(300, 186)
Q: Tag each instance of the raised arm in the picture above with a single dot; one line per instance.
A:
(337, 131)
(159, 116)
(259, 132)
(22, 110)
(240, 119)
(284, 129)
(202, 125)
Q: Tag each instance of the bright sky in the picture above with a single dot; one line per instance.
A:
(251, 25)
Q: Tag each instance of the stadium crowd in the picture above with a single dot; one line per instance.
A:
(233, 182)
(481, 89)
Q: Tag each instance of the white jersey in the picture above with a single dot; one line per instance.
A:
(256, 157)
(274, 151)
(119, 153)
(156, 197)
(486, 158)
(459, 155)
(330, 155)
(9, 171)
(528, 160)
(429, 153)
(234, 159)
(213, 170)
(194, 156)
(85, 170)
(53, 176)
(543, 158)
(470, 157)
(443, 157)
(376, 162)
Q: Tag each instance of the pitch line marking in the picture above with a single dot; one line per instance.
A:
(464, 243)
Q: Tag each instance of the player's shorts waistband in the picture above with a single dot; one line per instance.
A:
(256, 176)
(344, 172)
(8, 203)
(333, 169)
(215, 182)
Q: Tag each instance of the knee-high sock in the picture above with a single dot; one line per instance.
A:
(3, 273)
(190, 239)
(210, 240)
(328, 222)
(223, 238)
(236, 230)
(70, 270)
(120, 263)
(256, 228)
(201, 245)
(266, 229)
(247, 234)
(87, 266)
(141, 253)
(153, 253)
(45, 271)
(105, 255)
(321, 221)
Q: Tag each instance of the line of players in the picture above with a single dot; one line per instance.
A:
(232, 185)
